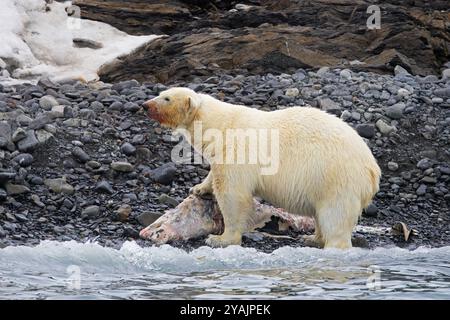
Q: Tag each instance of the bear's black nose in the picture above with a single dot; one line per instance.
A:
(145, 106)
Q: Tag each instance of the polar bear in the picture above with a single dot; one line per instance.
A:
(325, 169)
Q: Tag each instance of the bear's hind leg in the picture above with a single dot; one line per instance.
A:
(336, 220)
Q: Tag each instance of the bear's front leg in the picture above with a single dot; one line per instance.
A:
(203, 188)
(237, 208)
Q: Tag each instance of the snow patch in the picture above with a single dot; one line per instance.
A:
(38, 41)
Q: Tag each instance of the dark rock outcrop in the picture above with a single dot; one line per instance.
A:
(136, 16)
(206, 37)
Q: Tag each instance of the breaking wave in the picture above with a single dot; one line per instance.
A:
(46, 271)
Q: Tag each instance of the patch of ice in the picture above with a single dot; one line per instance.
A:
(37, 41)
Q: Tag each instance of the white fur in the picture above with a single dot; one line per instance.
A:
(326, 170)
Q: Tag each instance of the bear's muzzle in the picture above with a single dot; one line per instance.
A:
(152, 110)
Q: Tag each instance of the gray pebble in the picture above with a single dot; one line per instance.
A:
(366, 130)
(122, 166)
(393, 166)
(24, 159)
(80, 155)
(90, 212)
(128, 149)
(104, 186)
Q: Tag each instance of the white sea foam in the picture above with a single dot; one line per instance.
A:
(44, 271)
(132, 257)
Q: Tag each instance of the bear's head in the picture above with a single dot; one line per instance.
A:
(174, 108)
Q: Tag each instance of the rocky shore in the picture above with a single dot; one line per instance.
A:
(83, 162)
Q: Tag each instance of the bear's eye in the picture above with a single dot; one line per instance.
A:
(167, 99)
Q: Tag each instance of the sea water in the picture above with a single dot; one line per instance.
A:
(71, 270)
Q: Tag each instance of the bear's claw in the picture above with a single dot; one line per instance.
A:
(201, 191)
(216, 241)
(312, 241)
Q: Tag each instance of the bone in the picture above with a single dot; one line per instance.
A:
(196, 217)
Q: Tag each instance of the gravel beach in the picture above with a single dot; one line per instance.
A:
(83, 162)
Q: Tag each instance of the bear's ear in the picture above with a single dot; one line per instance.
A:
(192, 103)
(190, 108)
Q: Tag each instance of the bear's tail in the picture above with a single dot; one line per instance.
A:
(374, 178)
